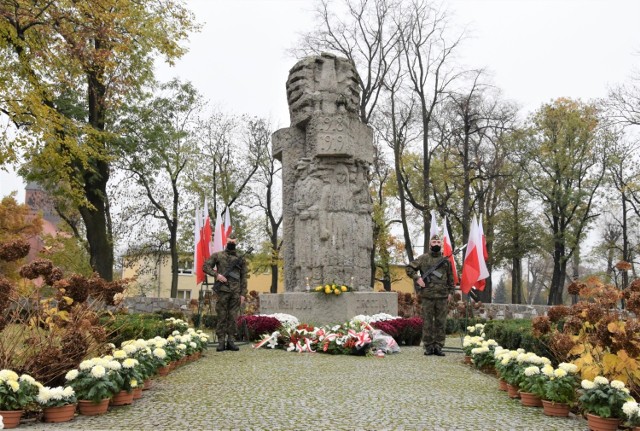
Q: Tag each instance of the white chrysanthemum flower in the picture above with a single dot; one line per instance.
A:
(181, 346)
(133, 383)
(107, 358)
(141, 343)
(130, 349)
(630, 408)
(568, 367)
(471, 329)
(27, 378)
(98, 371)
(559, 372)
(71, 375)
(119, 354)
(171, 339)
(159, 353)
(175, 333)
(113, 365)
(56, 393)
(193, 345)
(505, 360)
(531, 371)
(8, 375)
(15, 386)
(44, 395)
(86, 365)
(587, 384)
(617, 384)
(68, 392)
(129, 363)
(599, 380)
(548, 370)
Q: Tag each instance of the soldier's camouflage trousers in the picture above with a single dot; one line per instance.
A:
(434, 315)
(227, 309)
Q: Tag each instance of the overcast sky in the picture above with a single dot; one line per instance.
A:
(536, 51)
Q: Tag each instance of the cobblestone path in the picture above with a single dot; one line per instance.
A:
(277, 390)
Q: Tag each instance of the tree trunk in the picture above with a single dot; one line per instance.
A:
(559, 273)
(516, 280)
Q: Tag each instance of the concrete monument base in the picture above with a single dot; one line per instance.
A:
(322, 309)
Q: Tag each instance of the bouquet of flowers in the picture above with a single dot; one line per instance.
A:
(56, 397)
(333, 289)
(16, 392)
(561, 383)
(93, 380)
(603, 398)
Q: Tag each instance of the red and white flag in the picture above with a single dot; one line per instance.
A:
(480, 285)
(433, 230)
(474, 267)
(447, 250)
(202, 241)
(218, 235)
(226, 227)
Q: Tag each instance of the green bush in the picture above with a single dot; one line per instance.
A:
(515, 334)
(133, 326)
(165, 314)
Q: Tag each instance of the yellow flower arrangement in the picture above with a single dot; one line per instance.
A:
(333, 288)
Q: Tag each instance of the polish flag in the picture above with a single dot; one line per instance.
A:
(447, 250)
(202, 242)
(218, 235)
(480, 285)
(474, 267)
(226, 227)
(433, 230)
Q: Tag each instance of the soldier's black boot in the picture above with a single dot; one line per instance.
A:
(231, 346)
(438, 351)
(220, 347)
(428, 351)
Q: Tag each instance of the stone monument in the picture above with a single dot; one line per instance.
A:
(325, 156)
(327, 228)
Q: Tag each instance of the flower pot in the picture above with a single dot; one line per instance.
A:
(529, 399)
(513, 391)
(467, 360)
(137, 393)
(502, 385)
(59, 414)
(122, 398)
(11, 418)
(163, 371)
(147, 385)
(550, 408)
(89, 408)
(597, 423)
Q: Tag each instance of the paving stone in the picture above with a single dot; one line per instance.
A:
(278, 390)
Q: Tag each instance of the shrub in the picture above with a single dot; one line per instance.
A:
(256, 326)
(133, 326)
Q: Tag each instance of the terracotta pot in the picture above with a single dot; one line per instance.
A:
(512, 391)
(147, 385)
(11, 418)
(529, 399)
(122, 398)
(596, 423)
(59, 414)
(137, 393)
(550, 408)
(89, 408)
(467, 360)
(163, 371)
(636, 428)
(502, 385)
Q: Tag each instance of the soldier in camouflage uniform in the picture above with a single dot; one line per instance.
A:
(434, 295)
(230, 272)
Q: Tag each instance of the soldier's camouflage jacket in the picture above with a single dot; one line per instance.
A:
(224, 262)
(440, 283)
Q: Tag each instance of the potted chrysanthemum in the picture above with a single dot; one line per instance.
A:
(16, 392)
(128, 376)
(559, 389)
(94, 385)
(602, 401)
(631, 412)
(58, 403)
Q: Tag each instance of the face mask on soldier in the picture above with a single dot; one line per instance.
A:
(435, 248)
(231, 246)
